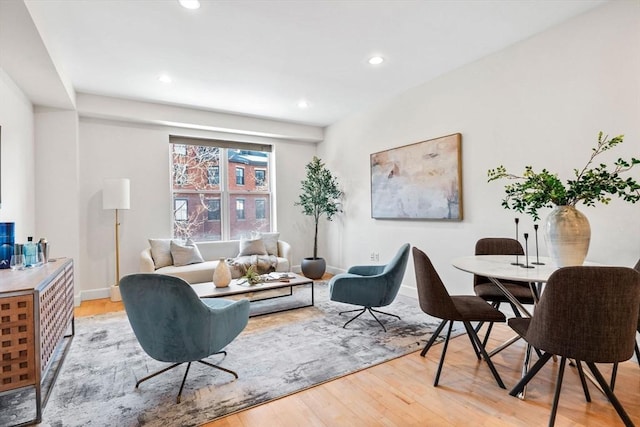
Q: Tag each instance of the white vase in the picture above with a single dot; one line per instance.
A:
(222, 274)
(567, 233)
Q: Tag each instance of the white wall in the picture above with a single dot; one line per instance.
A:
(17, 145)
(140, 152)
(540, 102)
(57, 181)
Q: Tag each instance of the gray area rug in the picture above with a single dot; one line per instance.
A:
(276, 355)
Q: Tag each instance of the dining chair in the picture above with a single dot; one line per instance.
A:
(370, 286)
(173, 325)
(614, 371)
(637, 268)
(435, 301)
(588, 314)
(485, 289)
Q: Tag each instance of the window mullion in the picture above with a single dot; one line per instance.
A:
(224, 194)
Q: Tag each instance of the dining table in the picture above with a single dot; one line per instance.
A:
(498, 268)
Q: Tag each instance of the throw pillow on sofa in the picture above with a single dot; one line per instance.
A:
(185, 254)
(270, 241)
(252, 247)
(161, 252)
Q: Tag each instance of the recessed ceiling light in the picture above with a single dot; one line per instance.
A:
(190, 4)
(303, 104)
(164, 78)
(376, 60)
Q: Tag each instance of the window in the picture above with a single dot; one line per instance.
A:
(181, 209)
(240, 209)
(213, 175)
(260, 209)
(220, 189)
(213, 210)
(180, 174)
(261, 177)
(240, 176)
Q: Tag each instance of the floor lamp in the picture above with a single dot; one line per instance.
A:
(115, 195)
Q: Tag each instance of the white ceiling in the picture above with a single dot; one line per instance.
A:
(261, 57)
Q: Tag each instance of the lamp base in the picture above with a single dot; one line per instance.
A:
(115, 293)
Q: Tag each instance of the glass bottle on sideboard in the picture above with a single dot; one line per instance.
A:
(30, 251)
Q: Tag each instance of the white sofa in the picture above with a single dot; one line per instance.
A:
(211, 253)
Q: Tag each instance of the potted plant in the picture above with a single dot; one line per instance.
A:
(319, 196)
(536, 190)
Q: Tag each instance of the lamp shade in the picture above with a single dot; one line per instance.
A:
(115, 193)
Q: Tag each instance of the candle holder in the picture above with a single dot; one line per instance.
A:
(517, 260)
(526, 252)
(537, 262)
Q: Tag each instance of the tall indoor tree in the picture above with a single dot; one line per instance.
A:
(319, 196)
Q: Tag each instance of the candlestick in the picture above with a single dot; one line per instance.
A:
(526, 252)
(517, 262)
(537, 262)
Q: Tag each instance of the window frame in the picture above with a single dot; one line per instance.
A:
(247, 157)
(177, 208)
(241, 175)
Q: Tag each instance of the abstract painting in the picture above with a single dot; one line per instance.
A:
(418, 181)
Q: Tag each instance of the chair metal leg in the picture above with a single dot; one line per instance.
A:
(612, 397)
(556, 397)
(496, 305)
(470, 332)
(353, 318)
(371, 311)
(183, 381)
(532, 372)
(184, 378)
(484, 354)
(219, 367)
(614, 373)
(157, 373)
(444, 351)
(486, 335)
(384, 312)
(583, 380)
(433, 338)
(377, 320)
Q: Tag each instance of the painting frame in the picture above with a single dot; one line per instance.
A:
(418, 181)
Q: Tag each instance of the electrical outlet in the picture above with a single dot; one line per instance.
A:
(377, 256)
(372, 256)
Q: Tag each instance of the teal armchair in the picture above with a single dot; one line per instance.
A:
(370, 285)
(172, 324)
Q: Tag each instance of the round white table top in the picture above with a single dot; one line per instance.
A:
(499, 267)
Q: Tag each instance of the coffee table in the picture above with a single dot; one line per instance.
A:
(274, 281)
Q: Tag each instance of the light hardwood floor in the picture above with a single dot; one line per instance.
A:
(401, 393)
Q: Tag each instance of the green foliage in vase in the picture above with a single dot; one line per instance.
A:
(319, 195)
(591, 184)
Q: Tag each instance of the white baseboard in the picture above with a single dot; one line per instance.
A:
(409, 291)
(91, 294)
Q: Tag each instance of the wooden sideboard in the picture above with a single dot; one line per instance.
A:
(36, 327)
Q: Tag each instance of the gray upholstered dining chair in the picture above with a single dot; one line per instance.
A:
(488, 291)
(435, 300)
(370, 286)
(173, 325)
(637, 268)
(588, 314)
(614, 371)
(485, 289)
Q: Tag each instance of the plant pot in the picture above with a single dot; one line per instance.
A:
(567, 233)
(313, 268)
